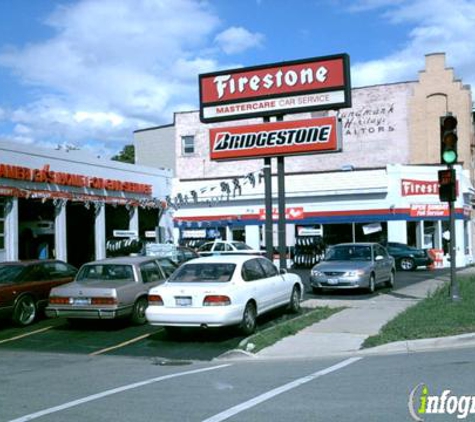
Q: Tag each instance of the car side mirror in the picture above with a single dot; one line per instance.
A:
(283, 271)
(379, 258)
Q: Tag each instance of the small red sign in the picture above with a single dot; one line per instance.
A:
(429, 210)
(274, 139)
(291, 213)
(320, 83)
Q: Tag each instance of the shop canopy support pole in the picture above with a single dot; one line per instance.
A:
(281, 222)
(268, 205)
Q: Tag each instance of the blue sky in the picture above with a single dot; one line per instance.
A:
(90, 72)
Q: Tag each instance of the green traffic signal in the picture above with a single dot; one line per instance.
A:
(448, 139)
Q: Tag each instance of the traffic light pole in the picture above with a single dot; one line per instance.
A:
(454, 289)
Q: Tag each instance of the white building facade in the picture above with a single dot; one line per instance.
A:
(382, 185)
(67, 205)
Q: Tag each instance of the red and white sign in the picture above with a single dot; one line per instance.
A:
(277, 138)
(292, 213)
(429, 210)
(411, 187)
(312, 84)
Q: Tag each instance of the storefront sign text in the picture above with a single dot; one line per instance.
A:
(311, 84)
(277, 138)
(429, 210)
(45, 175)
(293, 213)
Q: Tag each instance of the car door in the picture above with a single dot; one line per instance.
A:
(279, 290)
(259, 285)
(383, 266)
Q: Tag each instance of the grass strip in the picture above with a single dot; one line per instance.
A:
(289, 327)
(435, 316)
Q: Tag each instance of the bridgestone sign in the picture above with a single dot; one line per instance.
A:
(277, 138)
(321, 83)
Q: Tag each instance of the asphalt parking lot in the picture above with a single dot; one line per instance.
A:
(120, 338)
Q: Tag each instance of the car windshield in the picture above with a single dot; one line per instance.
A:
(10, 273)
(349, 253)
(105, 272)
(209, 272)
(241, 246)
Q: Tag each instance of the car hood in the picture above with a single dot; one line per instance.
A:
(91, 287)
(341, 266)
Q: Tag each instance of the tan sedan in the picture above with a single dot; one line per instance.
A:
(110, 288)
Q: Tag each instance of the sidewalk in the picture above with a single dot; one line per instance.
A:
(345, 331)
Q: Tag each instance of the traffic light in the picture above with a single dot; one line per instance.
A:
(447, 185)
(448, 139)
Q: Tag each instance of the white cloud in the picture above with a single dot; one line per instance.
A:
(237, 39)
(438, 26)
(113, 66)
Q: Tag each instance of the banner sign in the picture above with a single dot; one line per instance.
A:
(410, 187)
(292, 213)
(276, 138)
(429, 210)
(320, 83)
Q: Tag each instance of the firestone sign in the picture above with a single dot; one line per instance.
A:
(321, 83)
(277, 138)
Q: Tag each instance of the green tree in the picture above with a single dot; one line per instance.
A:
(127, 155)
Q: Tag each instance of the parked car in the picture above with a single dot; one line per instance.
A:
(25, 286)
(352, 266)
(407, 257)
(223, 247)
(110, 288)
(221, 291)
(177, 253)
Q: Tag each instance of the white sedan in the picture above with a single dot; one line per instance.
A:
(223, 290)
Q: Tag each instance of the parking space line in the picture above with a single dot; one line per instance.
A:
(276, 391)
(107, 393)
(30, 333)
(125, 343)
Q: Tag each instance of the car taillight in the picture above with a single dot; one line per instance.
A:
(155, 300)
(103, 301)
(59, 300)
(216, 300)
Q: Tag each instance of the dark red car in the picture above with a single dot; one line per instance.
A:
(25, 286)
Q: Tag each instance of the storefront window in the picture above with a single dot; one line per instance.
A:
(2, 224)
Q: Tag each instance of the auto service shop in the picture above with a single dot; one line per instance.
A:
(70, 205)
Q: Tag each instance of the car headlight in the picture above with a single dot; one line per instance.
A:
(317, 273)
(355, 273)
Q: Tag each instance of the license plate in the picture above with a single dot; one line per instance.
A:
(183, 301)
(332, 281)
(81, 301)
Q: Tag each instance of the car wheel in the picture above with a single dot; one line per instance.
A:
(294, 303)
(138, 313)
(390, 282)
(372, 284)
(248, 323)
(407, 264)
(25, 311)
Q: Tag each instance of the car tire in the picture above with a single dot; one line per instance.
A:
(138, 312)
(407, 264)
(294, 303)
(390, 282)
(249, 316)
(371, 284)
(25, 311)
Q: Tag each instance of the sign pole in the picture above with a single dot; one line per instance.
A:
(454, 290)
(281, 223)
(268, 205)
